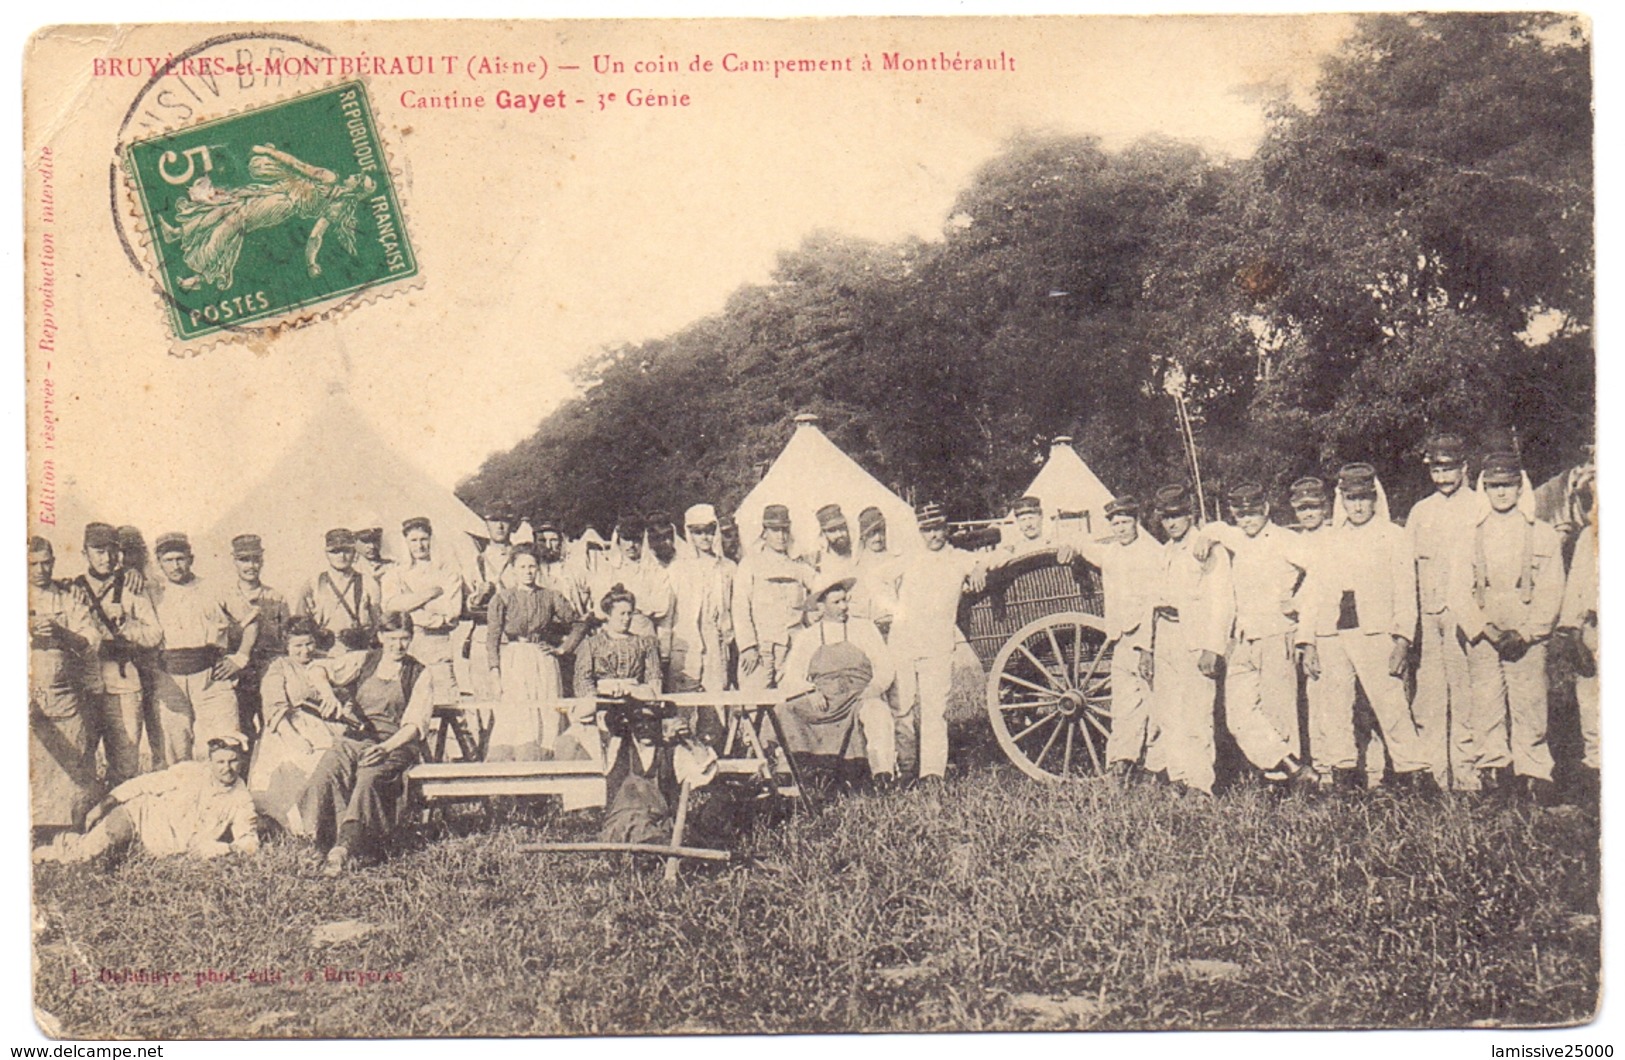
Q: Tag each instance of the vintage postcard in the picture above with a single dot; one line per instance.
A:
(599, 528)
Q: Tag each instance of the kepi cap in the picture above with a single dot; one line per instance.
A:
(1503, 469)
(1308, 491)
(245, 546)
(1124, 505)
(417, 522)
(172, 542)
(870, 520)
(775, 517)
(1445, 450)
(830, 517)
(1357, 480)
(100, 535)
(1246, 497)
(1028, 504)
(340, 538)
(1174, 499)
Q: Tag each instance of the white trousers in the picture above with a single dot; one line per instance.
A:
(1351, 657)
(1261, 699)
(1182, 709)
(1132, 733)
(769, 673)
(879, 735)
(927, 681)
(191, 709)
(1510, 710)
(1443, 704)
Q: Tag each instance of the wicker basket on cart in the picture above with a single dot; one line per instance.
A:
(1038, 628)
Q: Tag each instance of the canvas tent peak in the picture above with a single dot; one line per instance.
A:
(812, 471)
(1069, 491)
(335, 470)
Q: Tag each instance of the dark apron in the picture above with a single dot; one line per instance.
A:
(821, 722)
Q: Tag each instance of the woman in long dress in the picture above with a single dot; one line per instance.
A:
(641, 783)
(353, 795)
(529, 626)
(299, 714)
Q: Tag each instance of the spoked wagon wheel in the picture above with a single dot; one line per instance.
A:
(1049, 697)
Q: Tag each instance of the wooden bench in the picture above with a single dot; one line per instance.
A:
(751, 726)
(580, 783)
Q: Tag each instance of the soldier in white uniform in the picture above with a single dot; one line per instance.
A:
(1578, 622)
(834, 559)
(1188, 642)
(564, 576)
(343, 600)
(768, 593)
(922, 634)
(875, 595)
(702, 627)
(432, 592)
(1129, 567)
(1313, 510)
(1267, 563)
(625, 566)
(1506, 592)
(195, 684)
(493, 570)
(126, 623)
(63, 645)
(1441, 705)
(1362, 610)
(369, 557)
(1029, 536)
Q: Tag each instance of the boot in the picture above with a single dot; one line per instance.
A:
(1297, 778)
(1348, 781)
(1496, 783)
(1418, 783)
(1538, 792)
(1587, 788)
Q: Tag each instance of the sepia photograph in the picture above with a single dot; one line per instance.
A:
(812, 526)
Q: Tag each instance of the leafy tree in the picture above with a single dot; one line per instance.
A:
(1412, 251)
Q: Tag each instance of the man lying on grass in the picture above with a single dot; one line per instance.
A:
(197, 808)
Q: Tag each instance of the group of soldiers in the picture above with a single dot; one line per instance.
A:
(1472, 591)
(137, 669)
(860, 631)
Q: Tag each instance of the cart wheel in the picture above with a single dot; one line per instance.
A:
(1049, 697)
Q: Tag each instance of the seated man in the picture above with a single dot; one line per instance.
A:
(836, 678)
(197, 808)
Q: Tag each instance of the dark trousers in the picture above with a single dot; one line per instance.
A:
(354, 804)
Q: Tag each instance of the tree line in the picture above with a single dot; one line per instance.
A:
(1412, 251)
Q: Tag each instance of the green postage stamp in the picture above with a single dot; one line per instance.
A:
(272, 215)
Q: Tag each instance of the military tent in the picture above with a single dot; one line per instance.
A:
(338, 472)
(811, 472)
(1069, 491)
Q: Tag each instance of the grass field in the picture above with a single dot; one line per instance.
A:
(1000, 904)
